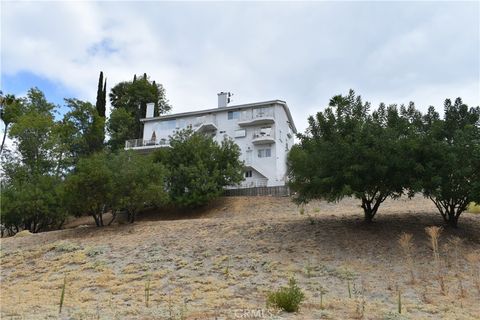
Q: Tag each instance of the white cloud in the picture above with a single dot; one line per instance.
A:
(302, 53)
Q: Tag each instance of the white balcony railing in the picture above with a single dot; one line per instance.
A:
(263, 113)
(141, 143)
(264, 133)
(209, 119)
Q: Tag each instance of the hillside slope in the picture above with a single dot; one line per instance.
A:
(222, 263)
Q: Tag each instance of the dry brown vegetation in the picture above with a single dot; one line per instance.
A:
(225, 260)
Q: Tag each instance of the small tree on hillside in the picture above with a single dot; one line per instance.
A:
(138, 182)
(32, 202)
(199, 168)
(451, 159)
(347, 151)
(89, 190)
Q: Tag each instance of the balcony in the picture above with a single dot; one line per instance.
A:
(205, 123)
(257, 117)
(263, 136)
(141, 144)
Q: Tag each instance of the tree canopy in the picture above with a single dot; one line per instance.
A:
(199, 168)
(451, 163)
(349, 150)
(133, 97)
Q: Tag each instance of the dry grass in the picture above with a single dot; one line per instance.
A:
(227, 259)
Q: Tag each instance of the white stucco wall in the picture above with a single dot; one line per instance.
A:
(270, 170)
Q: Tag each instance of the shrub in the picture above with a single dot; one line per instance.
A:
(286, 298)
(473, 208)
(66, 246)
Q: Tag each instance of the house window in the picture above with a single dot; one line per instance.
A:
(168, 124)
(233, 115)
(248, 174)
(264, 153)
(240, 133)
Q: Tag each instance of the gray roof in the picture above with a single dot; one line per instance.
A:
(229, 108)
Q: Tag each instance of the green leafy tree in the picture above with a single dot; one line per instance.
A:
(10, 110)
(83, 129)
(33, 133)
(33, 202)
(119, 127)
(89, 190)
(347, 151)
(138, 182)
(451, 159)
(133, 96)
(199, 168)
(31, 187)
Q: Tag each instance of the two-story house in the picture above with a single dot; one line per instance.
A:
(264, 131)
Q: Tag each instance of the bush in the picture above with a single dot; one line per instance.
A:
(286, 298)
(473, 208)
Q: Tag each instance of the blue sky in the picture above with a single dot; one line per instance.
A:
(300, 52)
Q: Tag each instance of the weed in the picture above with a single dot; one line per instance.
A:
(286, 298)
(474, 261)
(66, 246)
(147, 292)
(434, 234)
(322, 291)
(309, 269)
(226, 272)
(399, 301)
(406, 244)
(302, 210)
(94, 251)
(62, 296)
(311, 221)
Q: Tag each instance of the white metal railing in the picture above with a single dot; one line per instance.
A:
(260, 113)
(137, 143)
(197, 122)
(264, 133)
(254, 183)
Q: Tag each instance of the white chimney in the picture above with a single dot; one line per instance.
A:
(224, 99)
(150, 107)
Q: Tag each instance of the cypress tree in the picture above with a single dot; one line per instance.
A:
(104, 100)
(100, 105)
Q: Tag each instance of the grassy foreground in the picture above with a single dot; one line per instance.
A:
(224, 262)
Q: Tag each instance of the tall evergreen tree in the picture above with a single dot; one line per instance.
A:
(101, 95)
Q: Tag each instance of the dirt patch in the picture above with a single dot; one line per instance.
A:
(222, 261)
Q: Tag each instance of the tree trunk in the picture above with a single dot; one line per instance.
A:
(4, 136)
(370, 205)
(114, 215)
(131, 216)
(368, 211)
(451, 209)
(97, 221)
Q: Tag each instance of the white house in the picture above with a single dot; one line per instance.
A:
(264, 131)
